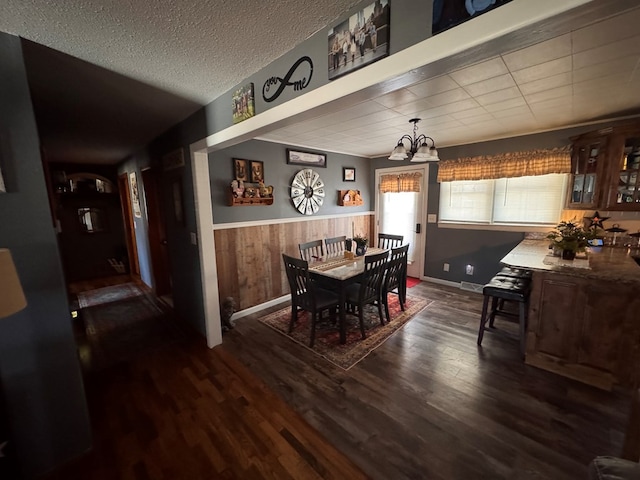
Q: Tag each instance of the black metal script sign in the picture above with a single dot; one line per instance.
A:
(298, 83)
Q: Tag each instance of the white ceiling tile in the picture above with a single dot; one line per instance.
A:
(514, 102)
(410, 110)
(481, 71)
(433, 86)
(620, 66)
(544, 70)
(539, 53)
(610, 30)
(445, 98)
(628, 47)
(544, 95)
(399, 97)
(548, 83)
(487, 86)
(499, 96)
(510, 112)
(450, 108)
(485, 117)
(471, 112)
(598, 86)
(558, 102)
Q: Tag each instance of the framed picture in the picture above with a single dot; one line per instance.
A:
(359, 40)
(135, 195)
(448, 13)
(241, 169)
(178, 209)
(243, 103)
(348, 174)
(297, 157)
(257, 171)
(174, 159)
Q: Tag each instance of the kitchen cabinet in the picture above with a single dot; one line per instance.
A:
(587, 171)
(584, 329)
(605, 169)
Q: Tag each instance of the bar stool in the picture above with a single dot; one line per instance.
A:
(502, 288)
(514, 273)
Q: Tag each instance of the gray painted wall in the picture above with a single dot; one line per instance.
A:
(279, 174)
(38, 359)
(481, 248)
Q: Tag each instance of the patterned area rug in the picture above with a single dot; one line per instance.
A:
(108, 294)
(119, 331)
(327, 342)
(412, 282)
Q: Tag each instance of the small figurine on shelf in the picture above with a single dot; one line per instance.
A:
(237, 187)
(250, 192)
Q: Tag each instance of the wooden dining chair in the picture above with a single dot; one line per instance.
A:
(369, 289)
(306, 295)
(394, 277)
(311, 250)
(335, 245)
(386, 240)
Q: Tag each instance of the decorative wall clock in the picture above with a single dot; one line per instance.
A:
(307, 191)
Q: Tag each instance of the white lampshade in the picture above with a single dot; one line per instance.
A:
(399, 153)
(11, 295)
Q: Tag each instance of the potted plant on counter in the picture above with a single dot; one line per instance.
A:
(361, 244)
(571, 238)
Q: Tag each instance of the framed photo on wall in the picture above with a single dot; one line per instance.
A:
(135, 195)
(348, 174)
(243, 103)
(309, 159)
(241, 169)
(359, 40)
(257, 171)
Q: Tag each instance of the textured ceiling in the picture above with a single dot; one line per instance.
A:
(194, 49)
(108, 76)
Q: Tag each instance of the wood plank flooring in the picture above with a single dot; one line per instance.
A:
(427, 404)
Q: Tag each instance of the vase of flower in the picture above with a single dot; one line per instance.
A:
(361, 244)
(570, 238)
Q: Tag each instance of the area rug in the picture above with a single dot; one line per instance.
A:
(119, 331)
(109, 294)
(412, 282)
(327, 343)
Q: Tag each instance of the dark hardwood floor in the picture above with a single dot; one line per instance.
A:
(427, 404)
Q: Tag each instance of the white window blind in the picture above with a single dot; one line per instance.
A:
(535, 200)
(466, 201)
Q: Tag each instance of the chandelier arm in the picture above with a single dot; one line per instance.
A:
(400, 141)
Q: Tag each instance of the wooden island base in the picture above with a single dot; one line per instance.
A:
(584, 323)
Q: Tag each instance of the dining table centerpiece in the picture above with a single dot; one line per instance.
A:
(570, 238)
(361, 244)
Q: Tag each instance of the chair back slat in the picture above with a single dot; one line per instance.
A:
(387, 241)
(299, 279)
(371, 282)
(311, 250)
(335, 245)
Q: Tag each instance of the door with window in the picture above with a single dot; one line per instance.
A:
(400, 210)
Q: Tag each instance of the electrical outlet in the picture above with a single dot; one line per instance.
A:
(445, 267)
(469, 270)
(194, 238)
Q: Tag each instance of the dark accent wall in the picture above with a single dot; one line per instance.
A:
(481, 248)
(184, 256)
(279, 174)
(39, 367)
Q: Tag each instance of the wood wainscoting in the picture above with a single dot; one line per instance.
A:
(249, 257)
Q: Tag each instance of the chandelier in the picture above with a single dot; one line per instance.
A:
(419, 151)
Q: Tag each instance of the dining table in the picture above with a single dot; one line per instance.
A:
(337, 272)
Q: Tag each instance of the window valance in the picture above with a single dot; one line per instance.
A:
(404, 182)
(506, 165)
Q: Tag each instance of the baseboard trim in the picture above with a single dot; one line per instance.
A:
(262, 306)
(441, 281)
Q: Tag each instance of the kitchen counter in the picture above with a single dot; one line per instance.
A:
(611, 264)
(583, 314)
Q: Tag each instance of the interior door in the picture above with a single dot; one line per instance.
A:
(157, 234)
(403, 213)
(129, 228)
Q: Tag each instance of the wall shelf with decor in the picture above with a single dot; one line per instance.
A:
(237, 201)
(349, 198)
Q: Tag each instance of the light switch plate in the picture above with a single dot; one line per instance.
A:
(194, 238)
(432, 218)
